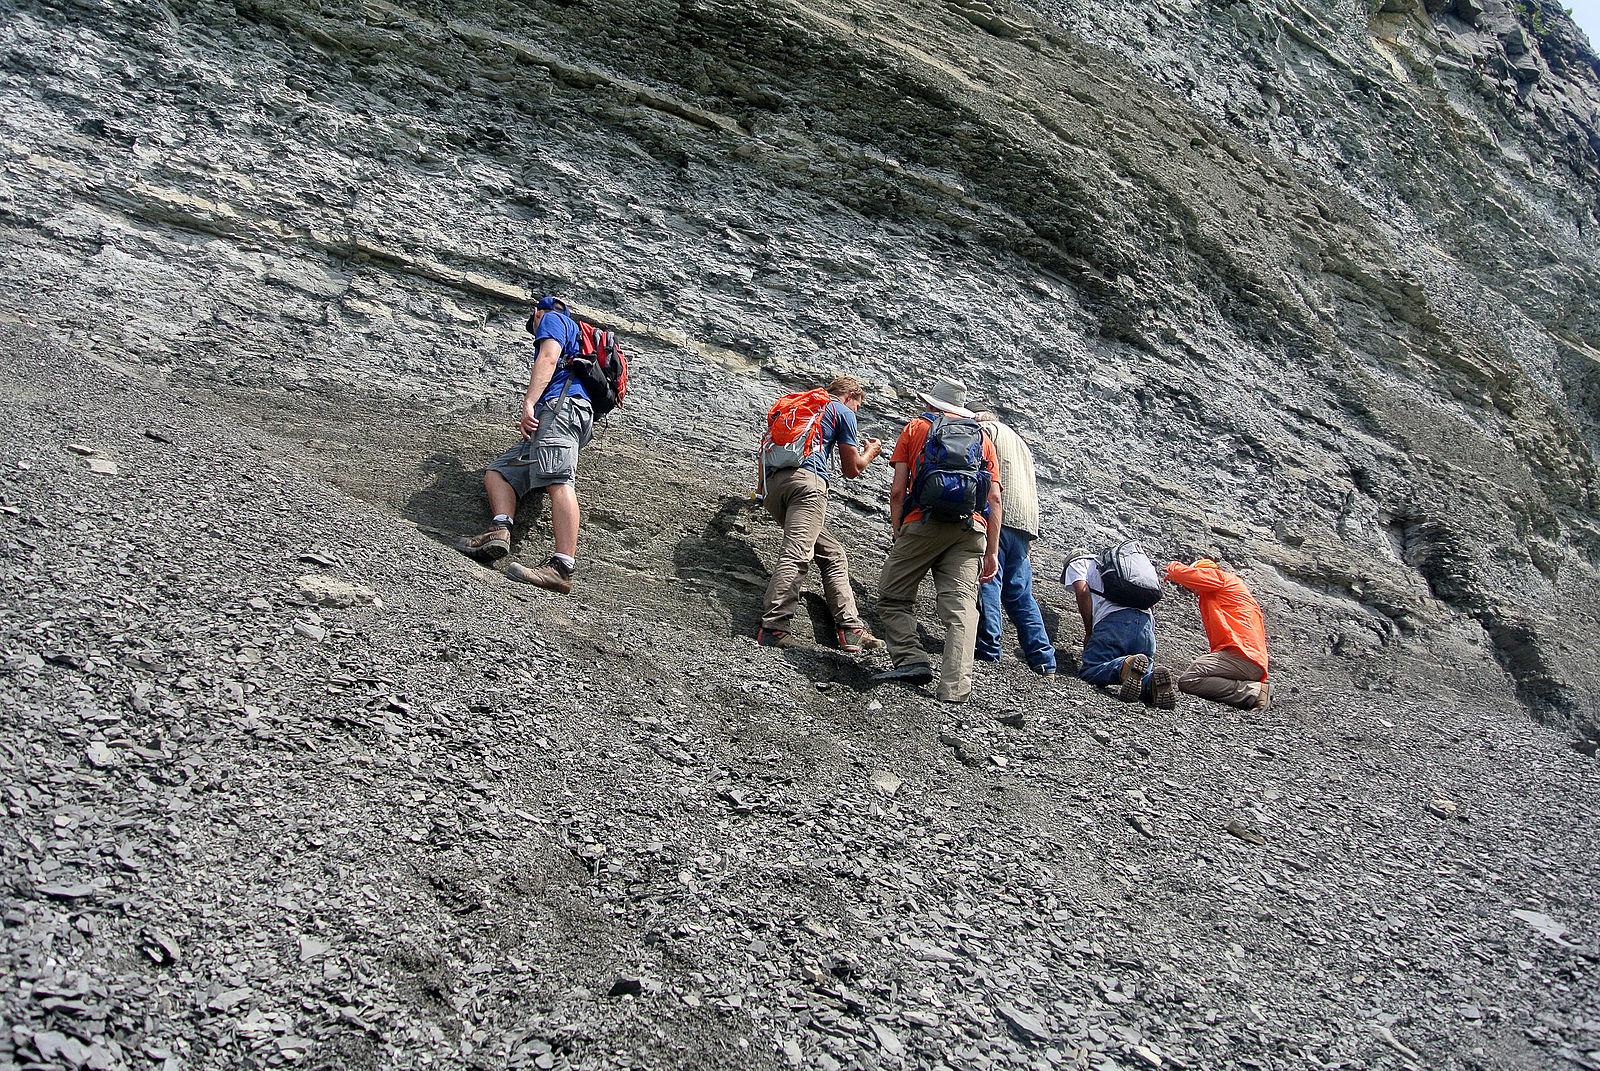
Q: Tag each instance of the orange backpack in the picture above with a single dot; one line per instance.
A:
(794, 423)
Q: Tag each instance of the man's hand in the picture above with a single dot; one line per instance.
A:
(529, 423)
(991, 567)
(853, 460)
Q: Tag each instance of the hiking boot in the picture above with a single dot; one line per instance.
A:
(1133, 671)
(1266, 697)
(856, 640)
(912, 673)
(1044, 671)
(1163, 693)
(771, 637)
(489, 546)
(548, 576)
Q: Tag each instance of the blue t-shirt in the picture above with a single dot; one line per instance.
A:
(564, 329)
(836, 425)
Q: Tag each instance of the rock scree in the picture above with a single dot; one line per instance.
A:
(289, 782)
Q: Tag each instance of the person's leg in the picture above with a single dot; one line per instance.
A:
(551, 462)
(1112, 641)
(955, 581)
(502, 498)
(990, 620)
(907, 563)
(1224, 677)
(1142, 640)
(834, 566)
(1016, 592)
(564, 517)
(801, 508)
(494, 542)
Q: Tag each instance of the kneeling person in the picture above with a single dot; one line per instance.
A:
(1235, 672)
(1119, 642)
(557, 420)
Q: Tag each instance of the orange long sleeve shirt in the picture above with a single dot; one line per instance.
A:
(1231, 615)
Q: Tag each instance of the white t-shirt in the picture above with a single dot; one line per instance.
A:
(1088, 570)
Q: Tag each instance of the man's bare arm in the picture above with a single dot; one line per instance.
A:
(853, 461)
(544, 370)
(1080, 591)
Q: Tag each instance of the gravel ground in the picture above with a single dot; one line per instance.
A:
(288, 782)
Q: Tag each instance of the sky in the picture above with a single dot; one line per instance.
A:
(1586, 13)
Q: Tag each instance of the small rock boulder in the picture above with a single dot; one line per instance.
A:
(323, 590)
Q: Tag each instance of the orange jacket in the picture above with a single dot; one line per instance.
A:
(1231, 615)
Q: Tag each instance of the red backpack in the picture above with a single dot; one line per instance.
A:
(601, 366)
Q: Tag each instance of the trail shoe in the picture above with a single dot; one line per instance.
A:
(549, 576)
(1133, 671)
(1266, 696)
(912, 673)
(856, 640)
(1163, 694)
(771, 637)
(487, 546)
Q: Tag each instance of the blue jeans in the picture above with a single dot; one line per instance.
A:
(1122, 633)
(1012, 587)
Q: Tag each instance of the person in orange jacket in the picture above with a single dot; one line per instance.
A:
(1235, 672)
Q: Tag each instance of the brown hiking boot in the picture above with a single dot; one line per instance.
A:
(545, 576)
(771, 637)
(1265, 697)
(856, 640)
(1163, 693)
(488, 546)
(1133, 670)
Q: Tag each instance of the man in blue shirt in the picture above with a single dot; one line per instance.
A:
(797, 498)
(557, 420)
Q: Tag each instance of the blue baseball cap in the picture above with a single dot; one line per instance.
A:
(547, 303)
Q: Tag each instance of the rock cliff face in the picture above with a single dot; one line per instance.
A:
(1313, 288)
(1308, 286)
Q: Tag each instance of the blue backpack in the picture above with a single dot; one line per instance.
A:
(951, 480)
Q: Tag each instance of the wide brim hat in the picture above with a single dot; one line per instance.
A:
(947, 396)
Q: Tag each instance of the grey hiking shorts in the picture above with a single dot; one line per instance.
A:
(551, 456)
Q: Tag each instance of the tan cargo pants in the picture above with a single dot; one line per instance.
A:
(798, 500)
(1224, 677)
(954, 554)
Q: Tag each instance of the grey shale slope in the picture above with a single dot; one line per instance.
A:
(289, 783)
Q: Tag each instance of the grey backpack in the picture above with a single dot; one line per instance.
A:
(1128, 577)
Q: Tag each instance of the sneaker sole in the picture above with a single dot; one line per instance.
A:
(1133, 679)
(1163, 694)
(489, 552)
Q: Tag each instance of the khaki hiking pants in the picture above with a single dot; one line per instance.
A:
(798, 500)
(954, 554)
(1224, 677)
